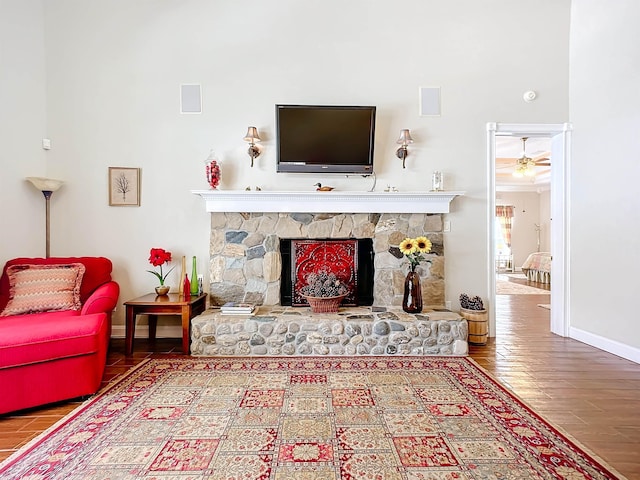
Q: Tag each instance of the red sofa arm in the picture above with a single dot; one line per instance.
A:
(103, 299)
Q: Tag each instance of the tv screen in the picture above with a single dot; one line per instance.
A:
(325, 139)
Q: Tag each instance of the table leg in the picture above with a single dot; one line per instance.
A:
(186, 320)
(130, 327)
(153, 324)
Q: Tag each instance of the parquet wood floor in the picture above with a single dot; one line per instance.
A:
(590, 394)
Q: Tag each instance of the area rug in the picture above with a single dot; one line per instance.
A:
(333, 418)
(512, 288)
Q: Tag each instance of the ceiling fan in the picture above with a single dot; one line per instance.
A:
(525, 165)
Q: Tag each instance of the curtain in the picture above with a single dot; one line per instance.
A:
(504, 213)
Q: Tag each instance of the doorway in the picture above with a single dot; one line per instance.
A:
(560, 135)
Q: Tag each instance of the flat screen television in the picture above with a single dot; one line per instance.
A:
(325, 139)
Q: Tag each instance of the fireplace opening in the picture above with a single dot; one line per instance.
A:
(351, 260)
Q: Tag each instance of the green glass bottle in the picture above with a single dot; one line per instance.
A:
(194, 278)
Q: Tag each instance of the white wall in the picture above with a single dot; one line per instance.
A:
(544, 220)
(605, 206)
(113, 75)
(526, 214)
(22, 127)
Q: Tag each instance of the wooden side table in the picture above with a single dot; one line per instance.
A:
(154, 305)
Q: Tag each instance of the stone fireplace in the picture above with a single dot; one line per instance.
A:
(246, 262)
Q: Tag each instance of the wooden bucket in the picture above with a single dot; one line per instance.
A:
(478, 321)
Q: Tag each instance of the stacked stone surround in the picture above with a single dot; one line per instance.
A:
(246, 265)
(353, 331)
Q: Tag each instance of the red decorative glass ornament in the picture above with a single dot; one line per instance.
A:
(213, 171)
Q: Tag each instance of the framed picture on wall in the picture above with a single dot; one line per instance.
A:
(124, 187)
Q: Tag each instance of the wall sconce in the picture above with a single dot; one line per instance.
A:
(404, 140)
(252, 137)
(47, 186)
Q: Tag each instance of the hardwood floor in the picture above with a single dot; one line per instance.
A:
(590, 394)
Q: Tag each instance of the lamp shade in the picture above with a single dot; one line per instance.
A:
(45, 184)
(405, 137)
(252, 135)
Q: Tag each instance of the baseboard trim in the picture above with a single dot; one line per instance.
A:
(142, 331)
(606, 344)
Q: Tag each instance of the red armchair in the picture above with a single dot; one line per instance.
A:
(48, 355)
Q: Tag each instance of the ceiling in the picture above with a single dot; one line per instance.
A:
(508, 150)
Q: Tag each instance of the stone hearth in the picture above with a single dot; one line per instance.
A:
(246, 265)
(352, 331)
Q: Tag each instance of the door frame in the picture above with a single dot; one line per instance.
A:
(560, 316)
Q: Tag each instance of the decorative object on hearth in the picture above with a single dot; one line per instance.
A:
(404, 140)
(472, 309)
(213, 170)
(157, 258)
(325, 304)
(337, 256)
(473, 303)
(47, 186)
(414, 249)
(252, 137)
(324, 292)
(320, 188)
(412, 298)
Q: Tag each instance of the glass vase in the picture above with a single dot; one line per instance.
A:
(186, 288)
(194, 278)
(213, 170)
(412, 299)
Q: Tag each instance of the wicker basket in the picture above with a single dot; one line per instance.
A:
(324, 304)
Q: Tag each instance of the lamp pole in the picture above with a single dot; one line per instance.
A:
(47, 197)
(47, 186)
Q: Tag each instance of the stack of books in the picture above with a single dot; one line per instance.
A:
(237, 308)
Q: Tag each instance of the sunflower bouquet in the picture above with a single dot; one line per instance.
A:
(415, 249)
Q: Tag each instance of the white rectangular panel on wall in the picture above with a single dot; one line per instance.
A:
(190, 98)
(429, 101)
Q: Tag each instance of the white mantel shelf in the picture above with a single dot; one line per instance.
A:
(326, 202)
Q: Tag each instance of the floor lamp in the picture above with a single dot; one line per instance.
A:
(47, 186)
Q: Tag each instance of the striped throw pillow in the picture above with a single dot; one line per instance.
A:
(43, 288)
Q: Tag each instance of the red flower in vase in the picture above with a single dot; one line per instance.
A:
(157, 258)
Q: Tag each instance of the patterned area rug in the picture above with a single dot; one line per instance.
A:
(301, 419)
(512, 288)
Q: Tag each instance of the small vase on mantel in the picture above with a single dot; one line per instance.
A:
(412, 299)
